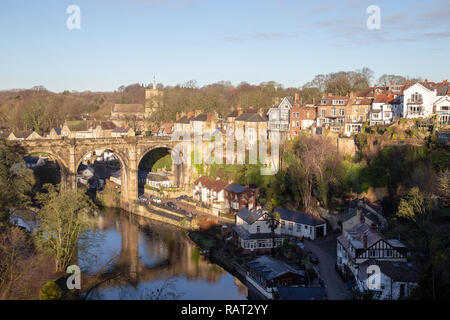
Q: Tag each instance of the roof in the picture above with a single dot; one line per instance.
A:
(22, 134)
(270, 268)
(356, 236)
(129, 107)
(210, 183)
(250, 216)
(367, 208)
(244, 234)
(252, 117)
(31, 159)
(302, 293)
(236, 188)
(121, 130)
(157, 177)
(184, 119)
(57, 130)
(397, 271)
(299, 217)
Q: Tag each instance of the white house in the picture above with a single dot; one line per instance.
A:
(34, 162)
(302, 225)
(158, 180)
(384, 109)
(209, 190)
(279, 118)
(388, 280)
(252, 232)
(442, 109)
(418, 101)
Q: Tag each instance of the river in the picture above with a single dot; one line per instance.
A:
(146, 259)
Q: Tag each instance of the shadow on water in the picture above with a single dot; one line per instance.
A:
(124, 256)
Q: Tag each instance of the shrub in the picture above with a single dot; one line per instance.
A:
(50, 291)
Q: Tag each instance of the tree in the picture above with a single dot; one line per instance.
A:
(16, 258)
(444, 187)
(63, 217)
(413, 205)
(314, 165)
(16, 181)
(272, 219)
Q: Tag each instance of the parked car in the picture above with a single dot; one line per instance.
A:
(172, 205)
(313, 258)
(156, 200)
(183, 197)
(143, 198)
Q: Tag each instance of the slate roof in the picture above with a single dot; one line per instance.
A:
(183, 119)
(397, 271)
(235, 188)
(302, 293)
(121, 130)
(250, 216)
(361, 204)
(251, 117)
(270, 268)
(299, 217)
(244, 234)
(129, 108)
(22, 134)
(57, 130)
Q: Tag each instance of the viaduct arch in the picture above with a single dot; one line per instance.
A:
(69, 153)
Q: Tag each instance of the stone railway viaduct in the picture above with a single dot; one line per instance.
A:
(69, 153)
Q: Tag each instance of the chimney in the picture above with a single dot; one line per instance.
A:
(352, 94)
(365, 240)
(362, 219)
(177, 117)
(296, 98)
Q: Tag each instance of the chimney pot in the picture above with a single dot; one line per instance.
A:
(365, 240)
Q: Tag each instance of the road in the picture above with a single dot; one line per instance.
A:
(325, 250)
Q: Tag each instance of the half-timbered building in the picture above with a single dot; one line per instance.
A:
(363, 246)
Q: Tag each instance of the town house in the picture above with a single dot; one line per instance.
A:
(363, 246)
(331, 112)
(301, 225)
(252, 233)
(238, 197)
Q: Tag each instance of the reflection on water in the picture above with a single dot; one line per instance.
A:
(137, 258)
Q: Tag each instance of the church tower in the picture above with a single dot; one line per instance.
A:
(153, 99)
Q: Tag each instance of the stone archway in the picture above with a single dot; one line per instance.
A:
(65, 176)
(124, 172)
(180, 171)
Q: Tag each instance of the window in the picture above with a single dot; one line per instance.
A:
(323, 113)
(299, 227)
(283, 224)
(291, 226)
(297, 124)
(341, 112)
(333, 111)
(373, 253)
(258, 229)
(389, 253)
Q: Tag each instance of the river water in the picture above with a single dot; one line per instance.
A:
(138, 258)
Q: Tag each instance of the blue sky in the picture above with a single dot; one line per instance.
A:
(128, 41)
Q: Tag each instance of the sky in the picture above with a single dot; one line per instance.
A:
(122, 42)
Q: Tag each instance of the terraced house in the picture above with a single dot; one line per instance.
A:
(331, 112)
